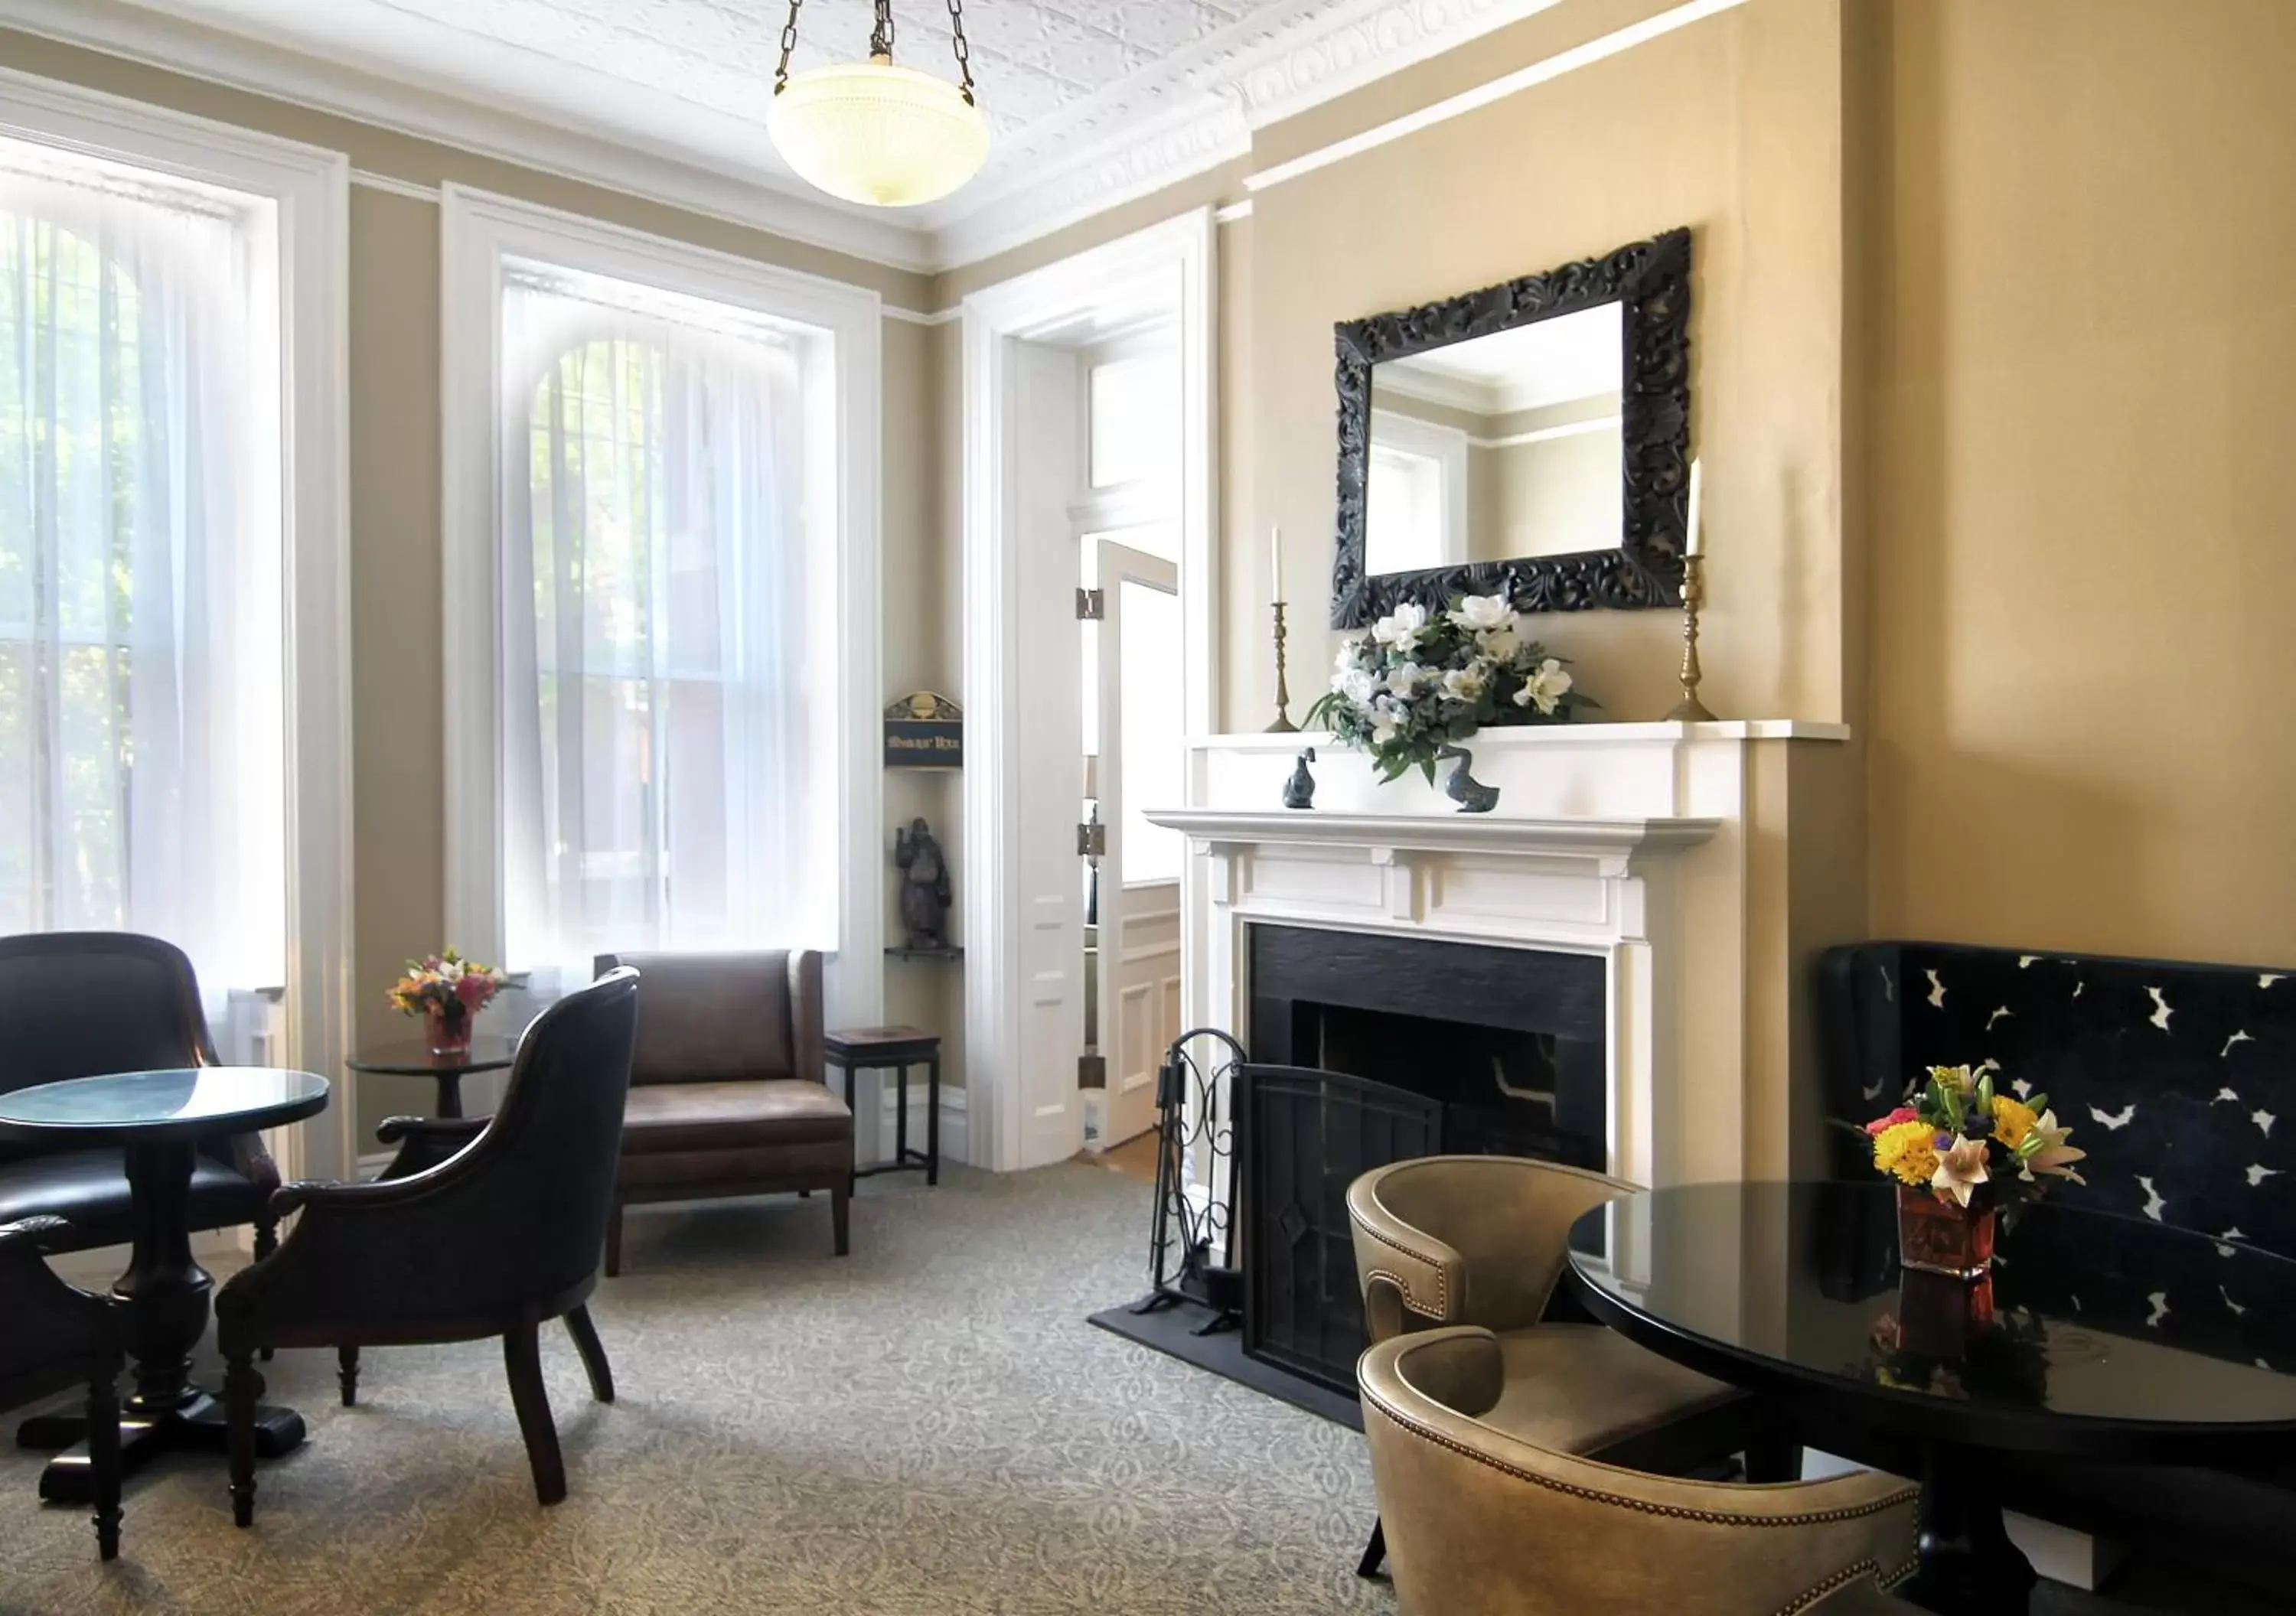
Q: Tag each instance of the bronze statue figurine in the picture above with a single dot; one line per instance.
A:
(924, 886)
(1300, 791)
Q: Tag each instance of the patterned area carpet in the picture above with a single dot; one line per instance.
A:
(926, 1428)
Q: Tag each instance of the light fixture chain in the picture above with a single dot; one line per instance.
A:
(789, 43)
(964, 51)
(880, 40)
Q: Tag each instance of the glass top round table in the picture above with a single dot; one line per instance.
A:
(413, 1057)
(154, 1107)
(2111, 1337)
(160, 1121)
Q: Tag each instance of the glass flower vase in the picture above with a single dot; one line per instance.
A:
(447, 1029)
(1944, 1237)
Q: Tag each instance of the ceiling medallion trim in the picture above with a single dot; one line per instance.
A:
(1257, 77)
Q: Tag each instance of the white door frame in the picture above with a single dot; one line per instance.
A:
(1168, 266)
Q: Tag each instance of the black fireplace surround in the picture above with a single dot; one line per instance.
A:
(1370, 1050)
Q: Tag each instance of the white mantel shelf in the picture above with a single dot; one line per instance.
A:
(1505, 736)
(1605, 838)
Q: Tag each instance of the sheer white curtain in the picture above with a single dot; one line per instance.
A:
(142, 642)
(659, 789)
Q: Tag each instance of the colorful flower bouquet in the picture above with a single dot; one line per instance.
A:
(1419, 682)
(1960, 1153)
(447, 991)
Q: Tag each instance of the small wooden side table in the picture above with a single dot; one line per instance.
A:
(412, 1057)
(897, 1050)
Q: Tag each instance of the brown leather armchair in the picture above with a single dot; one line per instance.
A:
(500, 1238)
(53, 1335)
(727, 1091)
(79, 1004)
(1482, 1240)
(1481, 1523)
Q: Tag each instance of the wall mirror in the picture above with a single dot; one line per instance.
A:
(1532, 437)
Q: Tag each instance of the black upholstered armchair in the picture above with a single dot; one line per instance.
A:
(53, 1335)
(79, 1004)
(498, 1239)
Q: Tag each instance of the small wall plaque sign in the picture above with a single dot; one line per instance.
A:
(924, 730)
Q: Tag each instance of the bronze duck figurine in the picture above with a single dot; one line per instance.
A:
(1463, 788)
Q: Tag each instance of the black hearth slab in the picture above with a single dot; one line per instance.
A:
(1170, 1330)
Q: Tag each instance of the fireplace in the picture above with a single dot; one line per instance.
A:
(1373, 1048)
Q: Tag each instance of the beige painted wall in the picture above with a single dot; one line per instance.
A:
(399, 790)
(2081, 419)
(1734, 126)
(1547, 498)
(1731, 126)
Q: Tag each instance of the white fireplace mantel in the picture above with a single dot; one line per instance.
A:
(1610, 847)
(1627, 842)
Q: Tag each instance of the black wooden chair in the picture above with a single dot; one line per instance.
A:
(53, 1335)
(496, 1240)
(79, 1004)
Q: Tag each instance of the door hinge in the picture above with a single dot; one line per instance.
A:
(1092, 840)
(1092, 606)
(1092, 1072)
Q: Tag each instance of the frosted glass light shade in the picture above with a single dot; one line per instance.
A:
(873, 133)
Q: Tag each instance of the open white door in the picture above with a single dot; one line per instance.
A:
(1049, 940)
(1143, 755)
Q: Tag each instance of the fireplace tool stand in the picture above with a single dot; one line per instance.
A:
(1188, 1222)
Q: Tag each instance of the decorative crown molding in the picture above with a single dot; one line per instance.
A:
(157, 38)
(1350, 50)
(1185, 116)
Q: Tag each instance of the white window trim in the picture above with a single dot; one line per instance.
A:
(311, 188)
(1143, 501)
(476, 231)
(1168, 269)
(1446, 446)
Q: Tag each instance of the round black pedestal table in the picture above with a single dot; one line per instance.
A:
(2111, 1338)
(413, 1057)
(159, 1119)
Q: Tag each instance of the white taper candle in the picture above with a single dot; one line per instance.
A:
(1276, 563)
(1697, 540)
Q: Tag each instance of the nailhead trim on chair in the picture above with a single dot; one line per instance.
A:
(1843, 1578)
(1404, 1285)
(1442, 1284)
(1711, 1517)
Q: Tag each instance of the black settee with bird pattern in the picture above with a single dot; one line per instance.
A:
(2179, 1080)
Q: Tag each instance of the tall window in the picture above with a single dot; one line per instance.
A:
(669, 770)
(142, 623)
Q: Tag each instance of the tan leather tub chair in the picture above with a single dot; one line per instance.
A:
(1481, 1523)
(726, 1090)
(1482, 1240)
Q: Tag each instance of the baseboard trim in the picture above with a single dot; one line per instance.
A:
(955, 1133)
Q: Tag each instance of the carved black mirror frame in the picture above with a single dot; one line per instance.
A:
(1652, 280)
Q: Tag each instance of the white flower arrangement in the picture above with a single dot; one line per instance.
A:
(1418, 682)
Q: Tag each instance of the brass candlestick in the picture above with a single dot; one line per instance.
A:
(1283, 724)
(1690, 710)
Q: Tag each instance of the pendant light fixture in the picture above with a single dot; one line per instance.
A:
(873, 133)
